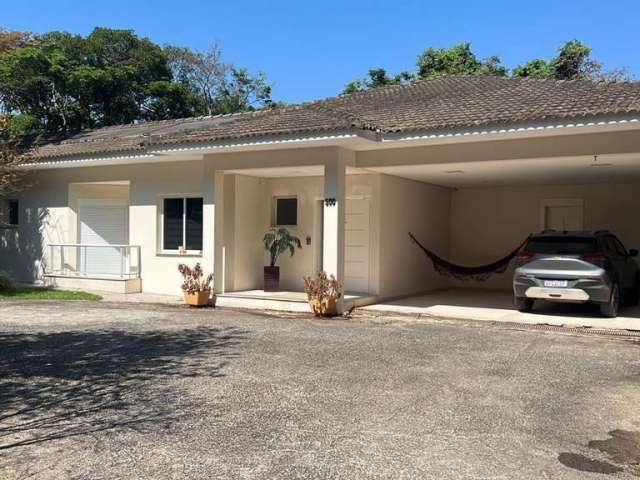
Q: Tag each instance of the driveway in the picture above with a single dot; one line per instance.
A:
(134, 391)
(497, 306)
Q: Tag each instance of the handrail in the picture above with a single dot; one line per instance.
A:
(83, 260)
(106, 245)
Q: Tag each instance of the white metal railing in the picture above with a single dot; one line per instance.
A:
(85, 260)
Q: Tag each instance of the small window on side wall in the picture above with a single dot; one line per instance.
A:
(182, 224)
(286, 211)
(9, 213)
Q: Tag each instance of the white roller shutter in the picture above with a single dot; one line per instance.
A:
(102, 225)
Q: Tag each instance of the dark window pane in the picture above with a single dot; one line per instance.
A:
(286, 211)
(561, 245)
(194, 224)
(13, 212)
(172, 228)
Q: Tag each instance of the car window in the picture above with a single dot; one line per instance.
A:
(609, 246)
(561, 245)
(619, 247)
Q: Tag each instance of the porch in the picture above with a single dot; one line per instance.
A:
(98, 255)
(286, 300)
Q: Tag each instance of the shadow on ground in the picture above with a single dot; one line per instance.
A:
(65, 384)
(622, 450)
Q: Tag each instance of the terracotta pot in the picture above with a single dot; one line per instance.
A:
(271, 279)
(329, 307)
(325, 307)
(316, 307)
(197, 299)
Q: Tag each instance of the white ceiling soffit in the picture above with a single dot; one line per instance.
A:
(285, 172)
(534, 171)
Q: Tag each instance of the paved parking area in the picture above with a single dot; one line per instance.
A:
(497, 306)
(137, 391)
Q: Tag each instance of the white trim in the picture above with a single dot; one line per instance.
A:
(160, 250)
(154, 154)
(548, 127)
(560, 202)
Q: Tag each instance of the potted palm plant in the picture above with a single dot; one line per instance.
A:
(195, 286)
(323, 292)
(277, 241)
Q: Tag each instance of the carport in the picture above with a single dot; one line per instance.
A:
(500, 192)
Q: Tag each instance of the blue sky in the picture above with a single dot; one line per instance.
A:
(311, 49)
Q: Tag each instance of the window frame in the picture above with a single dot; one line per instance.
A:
(7, 203)
(274, 221)
(182, 251)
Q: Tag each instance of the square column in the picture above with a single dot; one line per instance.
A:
(333, 229)
(213, 224)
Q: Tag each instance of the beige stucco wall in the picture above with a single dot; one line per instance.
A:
(488, 223)
(253, 215)
(251, 221)
(47, 216)
(424, 210)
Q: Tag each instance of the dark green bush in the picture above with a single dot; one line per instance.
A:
(6, 283)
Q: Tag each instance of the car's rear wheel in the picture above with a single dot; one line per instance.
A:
(610, 309)
(524, 304)
(632, 297)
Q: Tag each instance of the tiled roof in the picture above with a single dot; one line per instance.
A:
(454, 102)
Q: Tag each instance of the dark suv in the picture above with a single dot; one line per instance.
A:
(576, 267)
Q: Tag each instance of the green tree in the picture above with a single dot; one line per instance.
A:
(378, 77)
(68, 82)
(220, 86)
(12, 39)
(572, 62)
(536, 68)
(458, 59)
(11, 175)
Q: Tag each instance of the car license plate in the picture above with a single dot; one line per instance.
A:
(556, 283)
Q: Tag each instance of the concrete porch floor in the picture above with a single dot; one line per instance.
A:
(497, 306)
(284, 300)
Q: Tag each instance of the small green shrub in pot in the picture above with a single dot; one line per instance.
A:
(277, 241)
(6, 283)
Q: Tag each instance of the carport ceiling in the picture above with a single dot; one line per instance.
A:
(284, 172)
(534, 171)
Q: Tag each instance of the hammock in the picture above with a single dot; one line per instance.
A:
(460, 272)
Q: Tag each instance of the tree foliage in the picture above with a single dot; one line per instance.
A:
(573, 61)
(11, 175)
(456, 60)
(378, 77)
(58, 82)
(220, 86)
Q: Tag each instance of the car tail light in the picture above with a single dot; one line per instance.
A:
(594, 256)
(524, 256)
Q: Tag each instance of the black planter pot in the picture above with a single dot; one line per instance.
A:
(271, 279)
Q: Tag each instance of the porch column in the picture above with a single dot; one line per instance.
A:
(213, 224)
(334, 218)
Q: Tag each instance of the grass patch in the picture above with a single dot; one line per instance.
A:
(22, 292)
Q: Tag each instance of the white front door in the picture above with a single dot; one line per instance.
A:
(102, 225)
(357, 245)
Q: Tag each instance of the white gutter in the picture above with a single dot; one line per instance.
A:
(153, 154)
(560, 128)
(150, 154)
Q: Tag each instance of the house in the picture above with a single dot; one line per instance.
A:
(471, 165)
